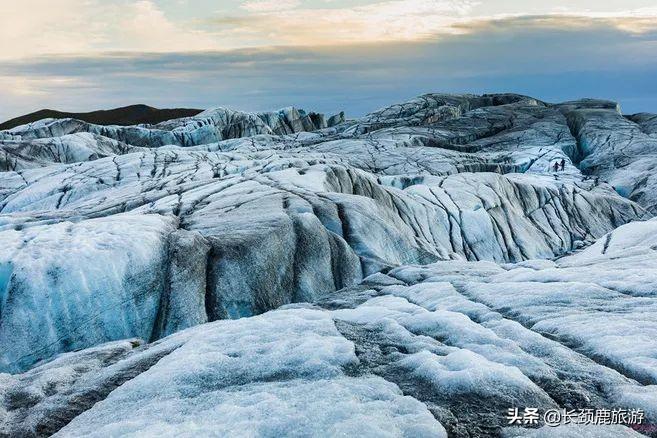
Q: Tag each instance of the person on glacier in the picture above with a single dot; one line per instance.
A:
(563, 164)
(556, 166)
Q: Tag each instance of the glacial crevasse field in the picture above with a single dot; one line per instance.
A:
(414, 272)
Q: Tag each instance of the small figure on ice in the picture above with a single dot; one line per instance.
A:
(559, 165)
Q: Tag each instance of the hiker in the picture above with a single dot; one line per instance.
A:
(563, 164)
(556, 166)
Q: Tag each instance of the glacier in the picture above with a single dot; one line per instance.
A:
(414, 272)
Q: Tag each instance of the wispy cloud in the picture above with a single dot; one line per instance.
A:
(31, 27)
(37, 27)
(269, 5)
(412, 20)
(326, 55)
(589, 59)
(639, 21)
(393, 20)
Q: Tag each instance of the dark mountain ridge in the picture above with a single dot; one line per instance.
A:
(127, 115)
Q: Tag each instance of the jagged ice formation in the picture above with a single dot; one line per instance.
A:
(414, 272)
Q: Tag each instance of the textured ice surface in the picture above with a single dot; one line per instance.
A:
(622, 151)
(210, 125)
(309, 228)
(89, 275)
(71, 148)
(430, 270)
(279, 374)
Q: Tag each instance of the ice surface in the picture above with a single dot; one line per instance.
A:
(72, 285)
(279, 374)
(430, 270)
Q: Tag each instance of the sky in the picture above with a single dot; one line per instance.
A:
(323, 55)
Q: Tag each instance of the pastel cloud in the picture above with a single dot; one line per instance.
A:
(411, 20)
(41, 27)
(97, 26)
(590, 59)
(395, 20)
(270, 5)
(91, 54)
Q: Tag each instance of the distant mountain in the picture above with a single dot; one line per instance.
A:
(127, 115)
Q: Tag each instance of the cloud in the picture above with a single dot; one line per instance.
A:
(406, 20)
(631, 24)
(589, 59)
(393, 20)
(358, 58)
(38, 27)
(35, 26)
(639, 21)
(270, 5)
(143, 26)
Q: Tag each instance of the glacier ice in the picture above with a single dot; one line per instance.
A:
(414, 272)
